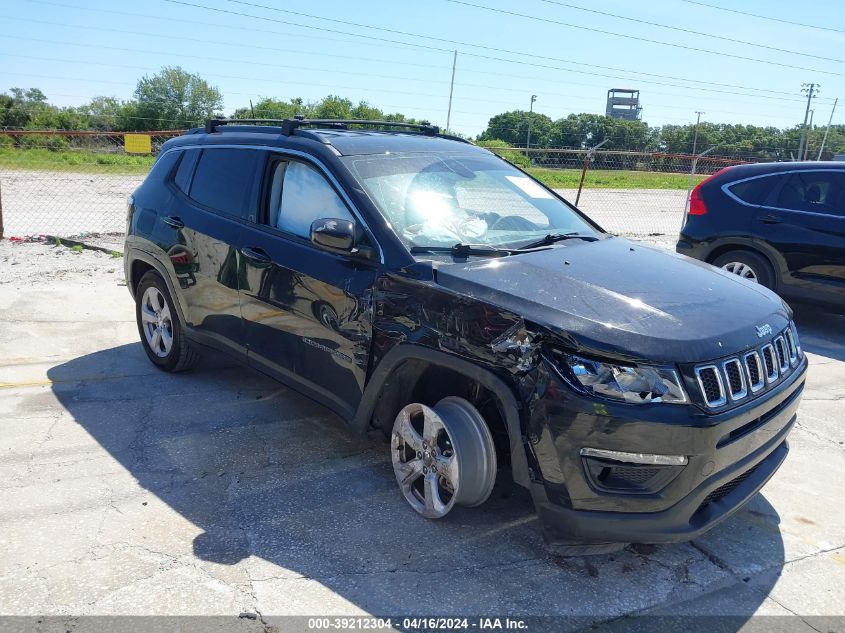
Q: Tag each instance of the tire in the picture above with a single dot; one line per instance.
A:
(748, 265)
(443, 456)
(161, 330)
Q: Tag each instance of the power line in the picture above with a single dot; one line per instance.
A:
(285, 50)
(764, 17)
(637, 38)
(626, 72)
(198, 40)
(690, 31)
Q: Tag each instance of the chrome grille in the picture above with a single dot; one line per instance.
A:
(754, 370)
(770, 363)
(710, 381)
(783, 359)
(791, 346)
(735, 379)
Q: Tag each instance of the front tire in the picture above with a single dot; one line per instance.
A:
(443, 456)
(748, 265)
(161, 331)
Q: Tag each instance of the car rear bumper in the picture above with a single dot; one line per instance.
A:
(721, 475)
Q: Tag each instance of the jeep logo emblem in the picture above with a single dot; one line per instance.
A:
(763, 330)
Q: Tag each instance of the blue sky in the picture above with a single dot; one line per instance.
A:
(76, 49)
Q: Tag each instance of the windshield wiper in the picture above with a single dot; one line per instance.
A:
(551, 238)
(462, 250)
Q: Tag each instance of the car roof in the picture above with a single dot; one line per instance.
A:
(759, 169)
(341, 142)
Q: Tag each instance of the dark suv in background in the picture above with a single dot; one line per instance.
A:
(779, 224)
(418, 284)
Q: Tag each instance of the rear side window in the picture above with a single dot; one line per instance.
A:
(814, 191)
(182, 177)
(755, 191)
(225, 181)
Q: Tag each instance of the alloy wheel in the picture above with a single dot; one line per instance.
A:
(443, 456)
(741, 269)
(156, 322)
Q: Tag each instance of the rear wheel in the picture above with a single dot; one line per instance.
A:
(159, 325)
(748, 265)
(443, 456)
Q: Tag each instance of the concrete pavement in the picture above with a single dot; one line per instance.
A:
(127, 491)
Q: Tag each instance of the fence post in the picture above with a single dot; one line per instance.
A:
(1, 211)
(695, 158)
(587, 159)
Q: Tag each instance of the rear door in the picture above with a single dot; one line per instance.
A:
(306, 311)
(216, 193)
(806, 225)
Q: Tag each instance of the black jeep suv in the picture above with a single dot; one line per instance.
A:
(779, 224)
(418, 284)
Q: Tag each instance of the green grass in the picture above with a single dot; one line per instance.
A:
(606, 179)
(78, 161)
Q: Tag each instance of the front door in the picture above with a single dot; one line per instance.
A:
(306, 311)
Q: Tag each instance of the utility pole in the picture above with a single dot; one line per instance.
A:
(809, 132)
(826, 130)
(451, 91)
(695, 136)
(530, 117)
(811, 90)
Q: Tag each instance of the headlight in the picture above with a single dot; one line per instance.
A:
(639, 384)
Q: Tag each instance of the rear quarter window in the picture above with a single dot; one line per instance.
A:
(164, 166)
(187, 161)
(755, 191)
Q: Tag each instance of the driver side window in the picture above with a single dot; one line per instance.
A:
(300, 194)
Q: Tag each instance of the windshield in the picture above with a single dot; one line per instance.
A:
(440, 200)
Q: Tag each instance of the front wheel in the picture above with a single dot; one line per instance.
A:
(443, 456)
(159, 326)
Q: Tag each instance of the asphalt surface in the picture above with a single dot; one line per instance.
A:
(127, 491)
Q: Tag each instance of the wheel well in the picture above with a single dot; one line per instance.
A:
(138, 270)
(726, 248)
(418, 381)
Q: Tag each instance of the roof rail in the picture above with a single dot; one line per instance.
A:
(289, 126)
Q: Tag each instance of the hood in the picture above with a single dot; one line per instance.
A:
(624, 300)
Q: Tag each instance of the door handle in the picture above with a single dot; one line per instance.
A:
(256, 255)
(174, 221)
(771, 219)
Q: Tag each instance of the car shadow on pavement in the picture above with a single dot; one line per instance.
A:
(821, 332)
(279, 488)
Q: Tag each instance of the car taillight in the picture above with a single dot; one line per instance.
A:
(697, 206)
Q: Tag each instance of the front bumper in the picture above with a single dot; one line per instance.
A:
(731, 456)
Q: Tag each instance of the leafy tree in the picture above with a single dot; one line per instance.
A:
(270, 108)
(512, 127)
(174, 99)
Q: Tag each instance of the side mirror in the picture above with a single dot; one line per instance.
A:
(334, 235)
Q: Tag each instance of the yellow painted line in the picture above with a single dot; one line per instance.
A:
(41, 383)
(36, 383)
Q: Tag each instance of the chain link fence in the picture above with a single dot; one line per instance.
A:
(75, 184)
(71, 185)
(641, 195)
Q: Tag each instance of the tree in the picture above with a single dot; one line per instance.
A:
(174, 99)
(270, 108)
(512, 127)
